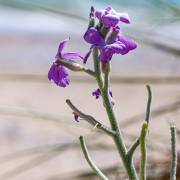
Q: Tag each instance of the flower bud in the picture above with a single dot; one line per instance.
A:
(105, 67)
(91, 18)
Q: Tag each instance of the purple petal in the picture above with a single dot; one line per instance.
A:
(61, 47)
(129, 43)
(110, 93)
(100, 13)
(110, 20)
(58, 74)
(124, 17)
(93, 36)
(113, 36)
(71, 56)
(108, 51)
(76, 117)
(87, 54)
(106, 55)
(96, 93)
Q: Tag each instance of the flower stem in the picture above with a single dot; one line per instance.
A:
(90, 161)
(118, 139)
(173, 152)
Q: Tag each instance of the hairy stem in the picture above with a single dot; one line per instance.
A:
(118, 139)
(173, 153)
(90, 161)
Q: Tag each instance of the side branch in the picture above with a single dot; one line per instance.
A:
(91, 120)
(132, 148)
(73, 66)
(90, 161)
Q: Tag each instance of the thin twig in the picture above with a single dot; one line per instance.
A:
(90, 161)
(173, 153)
(143, 150)
(148, 103)
(91, 120)
(133, 147)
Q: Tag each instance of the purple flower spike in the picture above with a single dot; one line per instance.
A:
(93, 36)
(59, 75)
(67, 56)
(96, 93)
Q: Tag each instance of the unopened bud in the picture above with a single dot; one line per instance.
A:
(91, 18)
(105, 67)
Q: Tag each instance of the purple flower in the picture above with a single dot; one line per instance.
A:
(97, 93)
(121, 45)
(93, 36)
(59, 75)
(110, 18)
(109, 50)
(100, 13)
(129, 43)
(67, 56)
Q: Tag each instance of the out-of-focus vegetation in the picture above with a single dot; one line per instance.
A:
(155, 24)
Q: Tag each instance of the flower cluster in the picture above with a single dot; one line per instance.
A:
(114, 42)
(104, 35)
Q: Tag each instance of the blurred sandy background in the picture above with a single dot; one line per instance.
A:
(38, 136)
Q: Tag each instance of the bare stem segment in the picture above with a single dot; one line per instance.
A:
(90, 161)
(173, 153)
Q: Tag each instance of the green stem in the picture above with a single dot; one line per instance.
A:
(91, 120)
(90, 161)
(133, 148)
(148, 103)
(173, 152)
(118, 139)
(143, 150)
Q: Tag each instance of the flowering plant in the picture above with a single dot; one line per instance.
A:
(106, 40)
